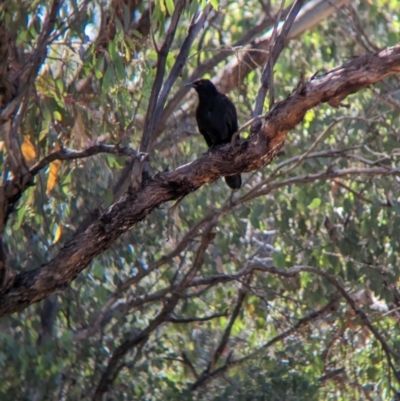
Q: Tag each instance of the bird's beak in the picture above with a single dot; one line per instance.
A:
(189, 85)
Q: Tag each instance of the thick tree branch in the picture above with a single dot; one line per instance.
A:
(254, 153)
(108, 310)
(265, 187)
(14, 189)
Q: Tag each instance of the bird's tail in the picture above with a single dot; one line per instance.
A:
(234, 181)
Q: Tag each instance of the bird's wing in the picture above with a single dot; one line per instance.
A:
(230, 116)
(201, 123)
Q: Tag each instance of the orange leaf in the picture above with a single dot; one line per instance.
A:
(53, 172)
(57, 234)
(28, 150)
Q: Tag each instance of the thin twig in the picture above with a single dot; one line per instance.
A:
(162, 55)
(273, 57)
(180, 61)
(225, 337)
(314, 315)
(189, 363)
(72, 154)
(178, 320)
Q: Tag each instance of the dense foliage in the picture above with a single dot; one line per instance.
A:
(327, 206)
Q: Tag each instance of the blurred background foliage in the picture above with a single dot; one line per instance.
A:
(319, 204)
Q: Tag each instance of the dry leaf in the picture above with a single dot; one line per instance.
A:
(53, 173)
(28, 150)
(57, 235)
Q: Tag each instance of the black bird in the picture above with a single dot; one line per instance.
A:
(216, 118)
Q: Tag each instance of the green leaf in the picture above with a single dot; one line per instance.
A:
(279, 259)
(106, 84)
(112, 50)
(45, 125)
(315, 204)
(98, 271)
(137, 34)
(66, 337)
(194, 4)
(127, 17)
(170, 6)
(119, 27)
(256, 215)
(215, 4)
(60, 85)
(98, 71)
(119, 68)
(57, 115)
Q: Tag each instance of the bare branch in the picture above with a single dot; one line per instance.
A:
(180, 61)
(227, 332)
(187, 362)
(294, 271)
(150, 123)
(331, 374)
(314, 315)
(267, 74)
(72, 154)
(179, 320)
(330, 173)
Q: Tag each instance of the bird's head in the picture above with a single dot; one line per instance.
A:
(203, 86)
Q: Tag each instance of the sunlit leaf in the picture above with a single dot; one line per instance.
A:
(215, 4)
(315, 204)
(28, 150)
(170, 6)
(57, 234)
(57, 115)
(54, 169)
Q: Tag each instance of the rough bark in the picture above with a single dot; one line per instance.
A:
(258, 151)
